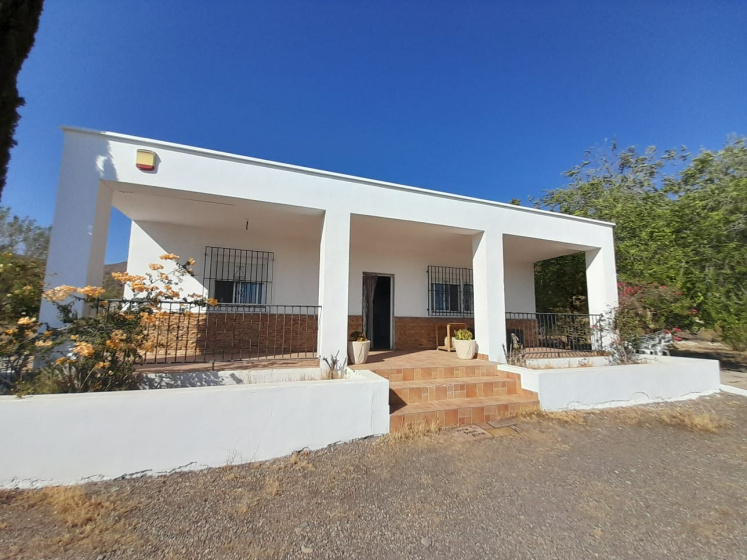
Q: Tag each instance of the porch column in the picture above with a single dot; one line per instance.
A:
(334, 274)
(489, 286)
(601, 279)
(77, 245)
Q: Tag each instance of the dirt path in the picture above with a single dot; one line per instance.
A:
(653, 482)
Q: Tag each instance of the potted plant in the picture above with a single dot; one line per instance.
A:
(464, 345)
(358, 347)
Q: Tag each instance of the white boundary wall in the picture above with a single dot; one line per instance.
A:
(663, 378)
(65, 439)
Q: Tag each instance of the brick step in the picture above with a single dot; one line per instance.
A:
(409, 392)
(458, 412)
(443, 372)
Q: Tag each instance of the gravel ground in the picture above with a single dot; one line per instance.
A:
(649, 482)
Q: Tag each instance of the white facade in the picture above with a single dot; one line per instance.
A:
(325, 229)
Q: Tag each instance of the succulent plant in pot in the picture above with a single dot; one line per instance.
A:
(358, 347)
(465, 346)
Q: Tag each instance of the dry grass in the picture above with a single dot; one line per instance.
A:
(272, 486)
(678, 417)
(413, 431)
(247, 503)
(91, 522)
(296, 460)
(566, 416)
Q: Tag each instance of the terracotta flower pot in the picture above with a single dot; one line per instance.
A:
(465, 349)
(358, 352)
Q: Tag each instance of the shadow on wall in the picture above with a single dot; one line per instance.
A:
(184, 380)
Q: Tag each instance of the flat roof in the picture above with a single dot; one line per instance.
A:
(329, 174)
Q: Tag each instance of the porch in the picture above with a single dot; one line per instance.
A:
(247, 336)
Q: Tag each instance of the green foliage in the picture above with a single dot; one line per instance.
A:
(651, 308)
(19, 20)
(681, 222)
(23, 236)
(357, 336)
(20, 344)
(21, 283)
(560, 284)
(113, 289)
(463, 334)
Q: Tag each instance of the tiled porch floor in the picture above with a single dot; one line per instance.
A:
(382, 359)
(399, 359)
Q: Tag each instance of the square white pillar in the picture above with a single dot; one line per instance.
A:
(601, 282)
(601, 279)
(77, 246)
(334, 278)
(489, 286)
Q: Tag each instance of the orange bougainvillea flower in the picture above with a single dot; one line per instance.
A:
(126, 278)
(212, 302)
(155, 266)
(169, 257)
(190, 261)
(83, 349)
(60, 293)
(91, 291)
(26, 321)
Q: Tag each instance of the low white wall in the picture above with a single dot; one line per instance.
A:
(64, 439)
(661, 379)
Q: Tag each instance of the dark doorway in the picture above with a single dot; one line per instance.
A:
(377, 310)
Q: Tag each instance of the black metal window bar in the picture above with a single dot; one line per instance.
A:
(238, 276)
(546, 335)
(182, 333)
(450, 292)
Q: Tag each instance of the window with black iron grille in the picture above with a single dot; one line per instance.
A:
(450, 292)
(238, 276)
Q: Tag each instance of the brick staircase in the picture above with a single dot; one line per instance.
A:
(454, 395)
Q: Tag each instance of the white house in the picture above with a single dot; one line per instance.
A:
(293, 244)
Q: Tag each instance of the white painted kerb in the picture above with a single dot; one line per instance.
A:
(64, 439)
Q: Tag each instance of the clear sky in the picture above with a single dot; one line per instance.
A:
(484, 98)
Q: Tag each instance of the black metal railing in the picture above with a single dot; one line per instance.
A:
(545, 335)
(181, 333)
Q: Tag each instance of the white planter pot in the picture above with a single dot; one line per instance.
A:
(465, 349)
(358, 352)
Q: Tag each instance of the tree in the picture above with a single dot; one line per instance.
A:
(560, 284)
(681, 225)
(23, 253)
(19, 20)
(23, 236)
(710, 226)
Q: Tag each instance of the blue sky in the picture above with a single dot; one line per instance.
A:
(488, 99)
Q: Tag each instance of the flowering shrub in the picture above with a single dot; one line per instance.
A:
(98, 349)
(648, 308)
(21, 281)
